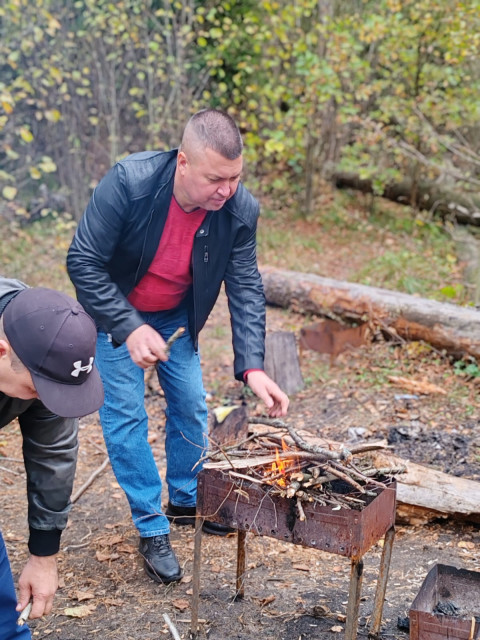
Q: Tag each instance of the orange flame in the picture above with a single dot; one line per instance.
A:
(281, 466)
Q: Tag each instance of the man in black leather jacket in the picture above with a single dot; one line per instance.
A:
(161, 233)
(47, 347)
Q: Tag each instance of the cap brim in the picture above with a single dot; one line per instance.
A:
(70, 400)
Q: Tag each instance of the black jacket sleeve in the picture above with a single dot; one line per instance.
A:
(246, 301)
(50, 447)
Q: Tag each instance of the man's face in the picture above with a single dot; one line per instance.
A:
(206, 180)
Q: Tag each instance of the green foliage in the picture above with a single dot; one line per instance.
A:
(467, 368)
(384, 88)
(91, 81)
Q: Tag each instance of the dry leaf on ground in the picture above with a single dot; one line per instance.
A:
(416, 386)
(79, 612)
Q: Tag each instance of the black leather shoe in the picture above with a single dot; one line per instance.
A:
(160, 561)
(184, 516)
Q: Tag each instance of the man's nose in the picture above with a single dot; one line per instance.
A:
(224, 189)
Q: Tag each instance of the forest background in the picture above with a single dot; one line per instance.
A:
(385, 89)
(384, 93)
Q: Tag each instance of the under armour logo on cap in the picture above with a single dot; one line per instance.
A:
(78, 367)
(51, 332)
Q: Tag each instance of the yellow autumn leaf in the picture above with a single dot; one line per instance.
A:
(26, 134)
(35, 173)
(9, 193)
(11, 154)
(7, 107)
(53, 115)
(56, 74)
(47, 165)
(53, 23)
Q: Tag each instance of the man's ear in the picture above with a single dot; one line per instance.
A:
(182, 162)
(5, 348)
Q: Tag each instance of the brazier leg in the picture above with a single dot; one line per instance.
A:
(241, 564)
(356, 576)
(376, 619)
(197, 563)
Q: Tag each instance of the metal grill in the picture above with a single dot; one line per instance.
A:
(447, 605)
(351, 533)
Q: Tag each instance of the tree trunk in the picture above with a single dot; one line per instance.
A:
(464, 208)
(281, 361)
(443, 325)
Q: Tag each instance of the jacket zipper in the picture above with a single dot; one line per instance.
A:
(202, 232)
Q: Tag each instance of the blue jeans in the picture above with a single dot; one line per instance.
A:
(9, 630)
(125, 422)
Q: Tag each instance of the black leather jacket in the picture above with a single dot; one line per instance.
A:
(50, 454)
(119, 234)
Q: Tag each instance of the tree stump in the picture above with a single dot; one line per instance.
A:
(281, 361)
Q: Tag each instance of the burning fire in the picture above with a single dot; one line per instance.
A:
(280, 468)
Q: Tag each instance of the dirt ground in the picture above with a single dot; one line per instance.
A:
(291, 592)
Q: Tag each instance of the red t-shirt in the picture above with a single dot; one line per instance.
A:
(170, 275)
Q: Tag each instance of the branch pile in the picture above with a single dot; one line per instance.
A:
(276, 456)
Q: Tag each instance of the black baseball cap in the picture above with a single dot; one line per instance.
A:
(55, 339)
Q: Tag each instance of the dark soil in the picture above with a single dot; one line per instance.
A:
(291, 592)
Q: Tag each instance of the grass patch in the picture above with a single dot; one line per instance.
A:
(385, 245)
(36, 254)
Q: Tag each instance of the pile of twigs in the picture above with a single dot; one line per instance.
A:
(288, 466)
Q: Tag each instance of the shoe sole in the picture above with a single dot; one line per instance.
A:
(153, 575)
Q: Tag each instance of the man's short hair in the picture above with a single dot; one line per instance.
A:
(216, 130)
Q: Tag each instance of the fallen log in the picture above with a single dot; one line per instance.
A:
(429, 196)
(445, 326)
(425, 494)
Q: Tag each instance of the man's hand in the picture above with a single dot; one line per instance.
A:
(38, 581)
(146, 346)
(268, 391)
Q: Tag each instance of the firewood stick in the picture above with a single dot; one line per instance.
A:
(344, 454)
(171, 627)
(176, 334)
(292, 488)
(243, 476)
(347, 478)
(472, 629)
(361, 447)
(385, 471)
(352, 469)
(317, 482)
(90, 480)
(301, 512)
(353, 500)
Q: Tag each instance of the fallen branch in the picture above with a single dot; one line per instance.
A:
(15, 473)
(172, 628)
(90, 480)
